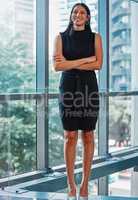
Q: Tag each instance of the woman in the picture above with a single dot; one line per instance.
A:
(77, 53)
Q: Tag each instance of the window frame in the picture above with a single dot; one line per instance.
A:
(42, 98)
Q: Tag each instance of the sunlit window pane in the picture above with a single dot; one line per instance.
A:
(18, 137)
(17, 45)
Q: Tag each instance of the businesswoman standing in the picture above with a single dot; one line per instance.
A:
(77, 53)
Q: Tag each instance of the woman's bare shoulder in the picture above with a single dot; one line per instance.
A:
(97, 35)
(58, 36)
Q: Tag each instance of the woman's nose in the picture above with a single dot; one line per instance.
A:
(78, 13)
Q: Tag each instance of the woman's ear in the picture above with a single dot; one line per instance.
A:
(88, 17)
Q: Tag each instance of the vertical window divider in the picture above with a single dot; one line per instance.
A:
(42, 41)
(103, 28)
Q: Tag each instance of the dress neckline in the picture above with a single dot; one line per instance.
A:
(80, 33)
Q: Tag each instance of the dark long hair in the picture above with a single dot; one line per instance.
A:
(87, 25)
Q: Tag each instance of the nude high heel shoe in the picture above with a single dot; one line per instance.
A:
(72, 198)
(82, 198)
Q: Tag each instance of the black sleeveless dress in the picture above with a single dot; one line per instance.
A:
(78, 89)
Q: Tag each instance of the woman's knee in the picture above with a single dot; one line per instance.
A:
(87, 137)
(71, 136)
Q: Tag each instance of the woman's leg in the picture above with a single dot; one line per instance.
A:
(70, 141)
(88, 152)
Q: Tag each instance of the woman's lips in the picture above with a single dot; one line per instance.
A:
(78, 19)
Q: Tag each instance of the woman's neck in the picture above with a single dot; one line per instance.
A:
(79, 28)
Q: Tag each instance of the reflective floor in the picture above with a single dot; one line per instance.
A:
(50, 196)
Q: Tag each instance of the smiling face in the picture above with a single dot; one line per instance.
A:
(79, 16)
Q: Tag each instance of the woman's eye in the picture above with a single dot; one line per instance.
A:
(76, 12)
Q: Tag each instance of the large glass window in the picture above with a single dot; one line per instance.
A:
(56, 156)
(17, 75)
(123, 74)
(120, 123)
(17, 46)
(18, 117)
(18, 137)
(120, 45)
